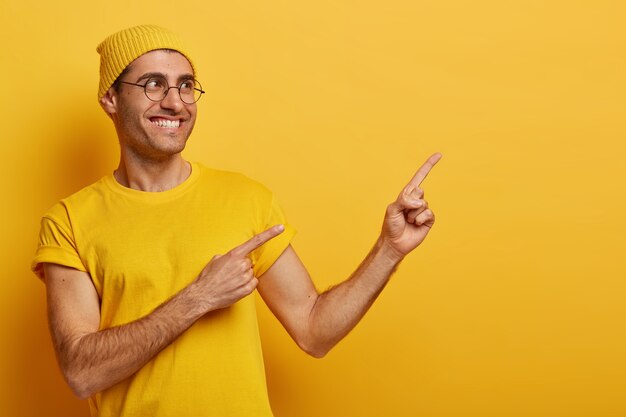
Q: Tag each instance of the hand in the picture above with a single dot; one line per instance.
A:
(408, 219)
(228, 278)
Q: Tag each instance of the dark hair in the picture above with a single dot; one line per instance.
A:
(117, 83)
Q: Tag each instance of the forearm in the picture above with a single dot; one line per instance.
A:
(316, 321)
(95, 361)
(338, 310)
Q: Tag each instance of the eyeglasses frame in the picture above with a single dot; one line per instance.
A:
(167, 90)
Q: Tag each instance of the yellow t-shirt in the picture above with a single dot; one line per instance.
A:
(140, 248)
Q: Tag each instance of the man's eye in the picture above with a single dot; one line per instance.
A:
(154, 84)
(187, 85)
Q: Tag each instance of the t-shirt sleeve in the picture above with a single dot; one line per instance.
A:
(56, 243)
(265, 256)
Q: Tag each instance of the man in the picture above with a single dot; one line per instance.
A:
(147, 277)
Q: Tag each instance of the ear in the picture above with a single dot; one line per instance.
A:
(108, 102)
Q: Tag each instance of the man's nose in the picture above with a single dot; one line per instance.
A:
(172, 100)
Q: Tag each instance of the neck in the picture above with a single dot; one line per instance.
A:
(152, 176)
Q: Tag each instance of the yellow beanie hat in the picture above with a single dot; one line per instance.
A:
(120, 49)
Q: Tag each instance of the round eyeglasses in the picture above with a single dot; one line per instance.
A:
(156, 88)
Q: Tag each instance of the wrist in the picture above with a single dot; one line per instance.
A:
(388, 252)
(190, 300)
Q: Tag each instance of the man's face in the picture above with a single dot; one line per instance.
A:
(148, 129)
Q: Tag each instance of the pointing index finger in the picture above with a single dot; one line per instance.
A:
(258, 240)
(421, 173)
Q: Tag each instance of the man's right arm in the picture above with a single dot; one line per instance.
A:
(92, 360)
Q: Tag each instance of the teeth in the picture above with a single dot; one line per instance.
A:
(166, 123)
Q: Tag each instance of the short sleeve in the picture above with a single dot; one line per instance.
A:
(56, 243)
(265, 256)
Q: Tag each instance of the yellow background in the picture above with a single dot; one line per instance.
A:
(514, 306)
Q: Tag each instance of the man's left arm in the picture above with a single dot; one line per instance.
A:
(317, 322)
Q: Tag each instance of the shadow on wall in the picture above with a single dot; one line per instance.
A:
(67, 159)
(80, 156)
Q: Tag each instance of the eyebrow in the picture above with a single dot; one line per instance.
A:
(161, 75)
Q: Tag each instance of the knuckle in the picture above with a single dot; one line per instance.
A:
(427, 216)
(245, 264)
(251, 285)
(420, 219)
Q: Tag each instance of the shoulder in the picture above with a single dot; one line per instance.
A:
(232, 182)
(89, 195)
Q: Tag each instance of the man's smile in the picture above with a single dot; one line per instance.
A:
(161, 122)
